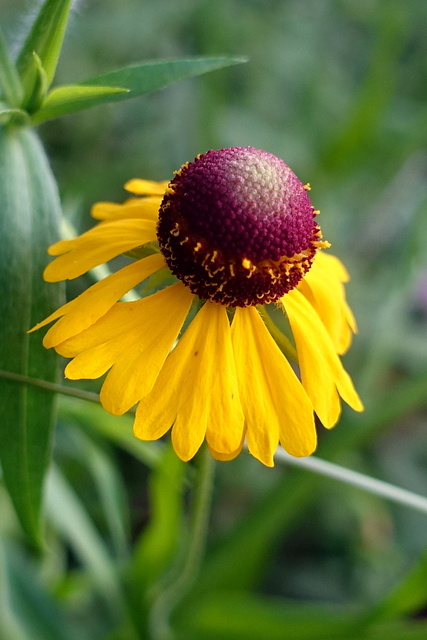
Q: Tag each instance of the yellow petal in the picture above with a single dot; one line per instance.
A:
(322, 373)
(273, 399)
(226, 420)
(134, 338)
(156, 327)
(90, 364)
(146, 187)
(92, 304)
(98, 245)
(147, 208)
(333, 263)
(336, 269)
(197, 388)
(225, 457)
(323, 288)
(108, 330)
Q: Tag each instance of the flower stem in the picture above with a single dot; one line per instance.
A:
(183, 575)
(358, 480)
(51, 386)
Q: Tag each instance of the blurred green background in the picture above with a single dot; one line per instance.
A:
(338, 89)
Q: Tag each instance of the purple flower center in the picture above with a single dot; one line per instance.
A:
(237, 226)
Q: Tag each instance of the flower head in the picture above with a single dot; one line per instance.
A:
(236, 226)
(237, 230)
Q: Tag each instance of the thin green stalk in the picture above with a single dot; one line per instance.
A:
(355, 479)
(313, 463)
(184, 574)
(51, 386)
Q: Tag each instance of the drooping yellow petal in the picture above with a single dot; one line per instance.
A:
(322, 287)
(134, 338)
(273, 399)
(92, 363)
(161, 317)
(111, 330)
(333, 263)
(225, 457)
(93, 303)
(322, 373)
(226, 419)
(96, 246)
(146, 187)
(143, 208)
(197, 390)
(336, 269)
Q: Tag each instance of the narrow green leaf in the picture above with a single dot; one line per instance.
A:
(45, 39)
(40, 85)
(109, 486)
(11, 625)
(158, 545)
(70, 518)
(159, 541)
(118, 430)
(70, 98)
(137, 80)
(151, 76)
(33, 612)
(243, 616)
(29, 222)
(10, 82)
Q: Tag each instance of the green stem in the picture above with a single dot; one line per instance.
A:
(356, 479)
(185, 573)
(51, 386)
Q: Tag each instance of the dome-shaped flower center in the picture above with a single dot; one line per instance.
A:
(237, 227)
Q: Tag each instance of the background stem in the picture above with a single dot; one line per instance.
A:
(184, 574)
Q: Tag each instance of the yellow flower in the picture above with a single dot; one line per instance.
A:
(231, 239)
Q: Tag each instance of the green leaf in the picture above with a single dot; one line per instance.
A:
(29, 222)
(118, 430)
(109, 487)
(158, 545)
(70, 98)
(69, 516)
(30, 611)
(134, 81)
(239, 615)
(159, 541)
(40, 85)
(10, 82)
(45, 40)
(243, 616)
(11, 625)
